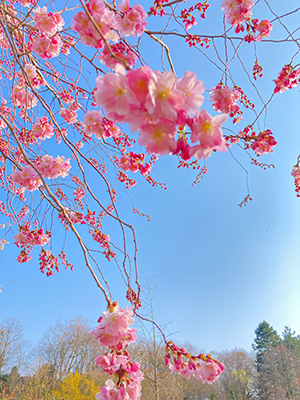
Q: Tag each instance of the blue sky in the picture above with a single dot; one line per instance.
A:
(219, 269)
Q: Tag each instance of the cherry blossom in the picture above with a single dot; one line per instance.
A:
(158, 137)
(237, 11)
(113, 328)
(164, 98)
(27, 178)
(224, 99)
(114, 331)
(70, 114)
(192, 90)
(134, 162)
(22, 98)
(48, 23)
(33, 238)
(132, 22)
(101, 19)
(264, 28)
(114, 94)
(43, 129)
(201, 367)
(52, 168)
(296, 174)
(207, 130)
(287, 79)
(35, 79)
(122, 52)
(47, 47)
(263, 143)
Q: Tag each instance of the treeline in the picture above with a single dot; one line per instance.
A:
(62, 367)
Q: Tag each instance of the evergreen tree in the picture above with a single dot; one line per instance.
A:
(266, 336)
(13, 379)
(291, 341)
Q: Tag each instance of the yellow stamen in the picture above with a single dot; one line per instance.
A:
(207, 127)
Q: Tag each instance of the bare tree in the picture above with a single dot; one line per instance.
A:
(239, 380)
(158, 383)
(68, 347)
(280, 374)
(11, 344)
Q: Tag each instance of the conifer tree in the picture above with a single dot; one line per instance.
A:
(266, 336)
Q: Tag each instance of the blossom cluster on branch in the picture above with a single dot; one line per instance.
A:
(114, 332)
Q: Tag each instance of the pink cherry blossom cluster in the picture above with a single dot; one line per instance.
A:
(158, 104)
(47, 47)
(264, 28)
(101, 127)
(287, 79)
(103, 22)
(224, 99)
(237, 11)
(35, 79)
(244, 98)
(66, 97)
(99, 24)
(193, 40)
(128, 388)
(47, 43)
(131, 294)
(262, 143)
(129, 183)
(3, 147)
(76, 217)
(101, 238)
(121, 51)
(48, 262)
(28, 3)
(48, 23)
(201, 367)
(207, 130)
(134, 162)
(114, 331)
(22, 98)
(188, 19)
(296, 174)
(64, 261)
(132, 21)
(3, 40)
(79, 192)
(183, 148)
(67, 44)
(70, 114)
(24, 255)
(53, 167)
(43, 129)
(27, 178)
(27, 237)
(157, 7)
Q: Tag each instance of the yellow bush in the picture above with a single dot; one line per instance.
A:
(77, 387)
